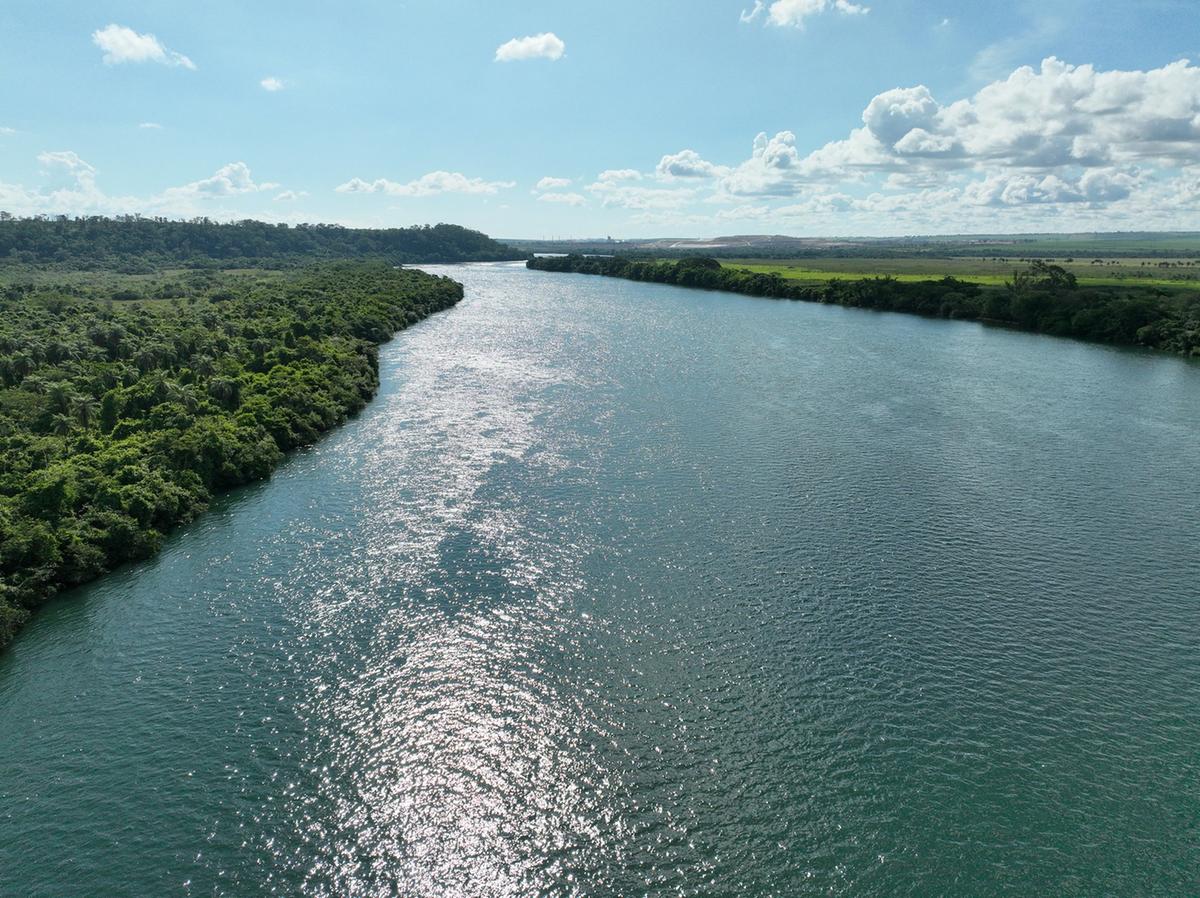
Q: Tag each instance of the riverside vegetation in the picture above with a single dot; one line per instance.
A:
(1044, 298)
(126, 403)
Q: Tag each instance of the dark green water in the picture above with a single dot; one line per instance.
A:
(622, 590)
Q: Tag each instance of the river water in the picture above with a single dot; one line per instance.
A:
(619, 589)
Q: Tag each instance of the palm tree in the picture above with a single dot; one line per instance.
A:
(23, 364)
(35, 383)
(84, 409)
(110, 378)
(224, 389)
(60, 395)
(62, 425)
(182, 394)
(146, 359)
(203, 365)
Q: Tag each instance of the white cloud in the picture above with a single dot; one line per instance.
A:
(121, 44)
(687, 164)
(631, 196)
(1054, 147)
(150, 126)
(1045, 26)
(539, 46)
(229, 180)
(427, 185)
(793, 13)
(1058, 120)
(752, 15)
(7, 132)
(895, 113)
(67, 161)
(272, 84)
(72, 189)
(553, 183)
(619, 174)
(288, 195)
(567, 199)
(745, 213)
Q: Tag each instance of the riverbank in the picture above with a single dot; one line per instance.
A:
(1044, 298)
(124, 410)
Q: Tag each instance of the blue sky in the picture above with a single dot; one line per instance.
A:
(635, 118)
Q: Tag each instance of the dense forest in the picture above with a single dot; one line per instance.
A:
(120, 418)
(1043, 298)
(135, 245)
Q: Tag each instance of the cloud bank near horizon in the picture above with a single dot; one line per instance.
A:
(1055, 147)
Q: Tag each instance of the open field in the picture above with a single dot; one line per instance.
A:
(1132, 272)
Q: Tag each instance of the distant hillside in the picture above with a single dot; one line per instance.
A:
(135, 245)
(1165, 245)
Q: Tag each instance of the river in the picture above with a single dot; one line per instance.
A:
(620, 589)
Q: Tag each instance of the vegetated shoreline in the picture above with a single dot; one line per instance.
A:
(1043, 299)
(119, 421)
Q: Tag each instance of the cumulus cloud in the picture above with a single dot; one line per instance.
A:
(72, 189)
(121, 44)
(1057, 116)
(566, 199)
(229, 180)
(771, 170)
(1095, 186)
(272, 84)
(538, 46)
(617, 192)
(687, 164)
(619, 174)
(427, 185)
(1055, 146)
(1059, 120)
(794, 13)
(287, 195)
(68, 162)
(894, 113)
(553, 183)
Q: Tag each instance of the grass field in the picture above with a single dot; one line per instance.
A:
(1176, 274)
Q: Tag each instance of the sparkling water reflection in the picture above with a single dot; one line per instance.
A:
(619, 589)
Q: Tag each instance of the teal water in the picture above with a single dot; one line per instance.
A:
(619, 589)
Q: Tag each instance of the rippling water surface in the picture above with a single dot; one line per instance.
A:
(621, 590)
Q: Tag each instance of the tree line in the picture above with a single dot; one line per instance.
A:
(1043, 298)
(136, 245)
(120, 419)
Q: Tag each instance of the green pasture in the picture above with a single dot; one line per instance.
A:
(988, 272)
